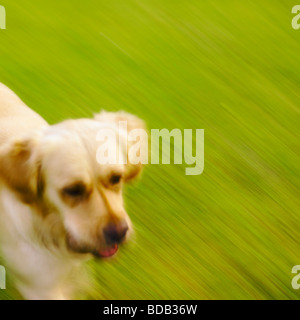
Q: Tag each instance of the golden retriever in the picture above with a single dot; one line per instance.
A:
(58, 205)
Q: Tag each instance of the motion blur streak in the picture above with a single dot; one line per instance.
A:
(230, 67)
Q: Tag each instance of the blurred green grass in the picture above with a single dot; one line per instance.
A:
(230, 67)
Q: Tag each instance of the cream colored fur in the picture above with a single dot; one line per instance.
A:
(44, 231)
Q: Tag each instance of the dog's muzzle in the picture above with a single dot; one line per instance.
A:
(111, 236)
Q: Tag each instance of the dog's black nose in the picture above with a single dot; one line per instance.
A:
(115, 232)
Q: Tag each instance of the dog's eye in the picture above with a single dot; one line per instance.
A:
(115, 179)
(75, 191)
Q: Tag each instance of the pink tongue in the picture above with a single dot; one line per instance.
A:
(109, 251)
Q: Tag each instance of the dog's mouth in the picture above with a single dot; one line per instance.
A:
(102, 252)
(107, 252)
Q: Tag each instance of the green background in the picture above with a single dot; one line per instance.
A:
(229, 67)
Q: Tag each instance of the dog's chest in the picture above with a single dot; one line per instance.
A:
(28, 260)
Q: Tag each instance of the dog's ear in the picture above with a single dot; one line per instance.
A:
(19, 168)
(133, 125)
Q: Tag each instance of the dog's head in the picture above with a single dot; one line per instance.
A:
(56, 172)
